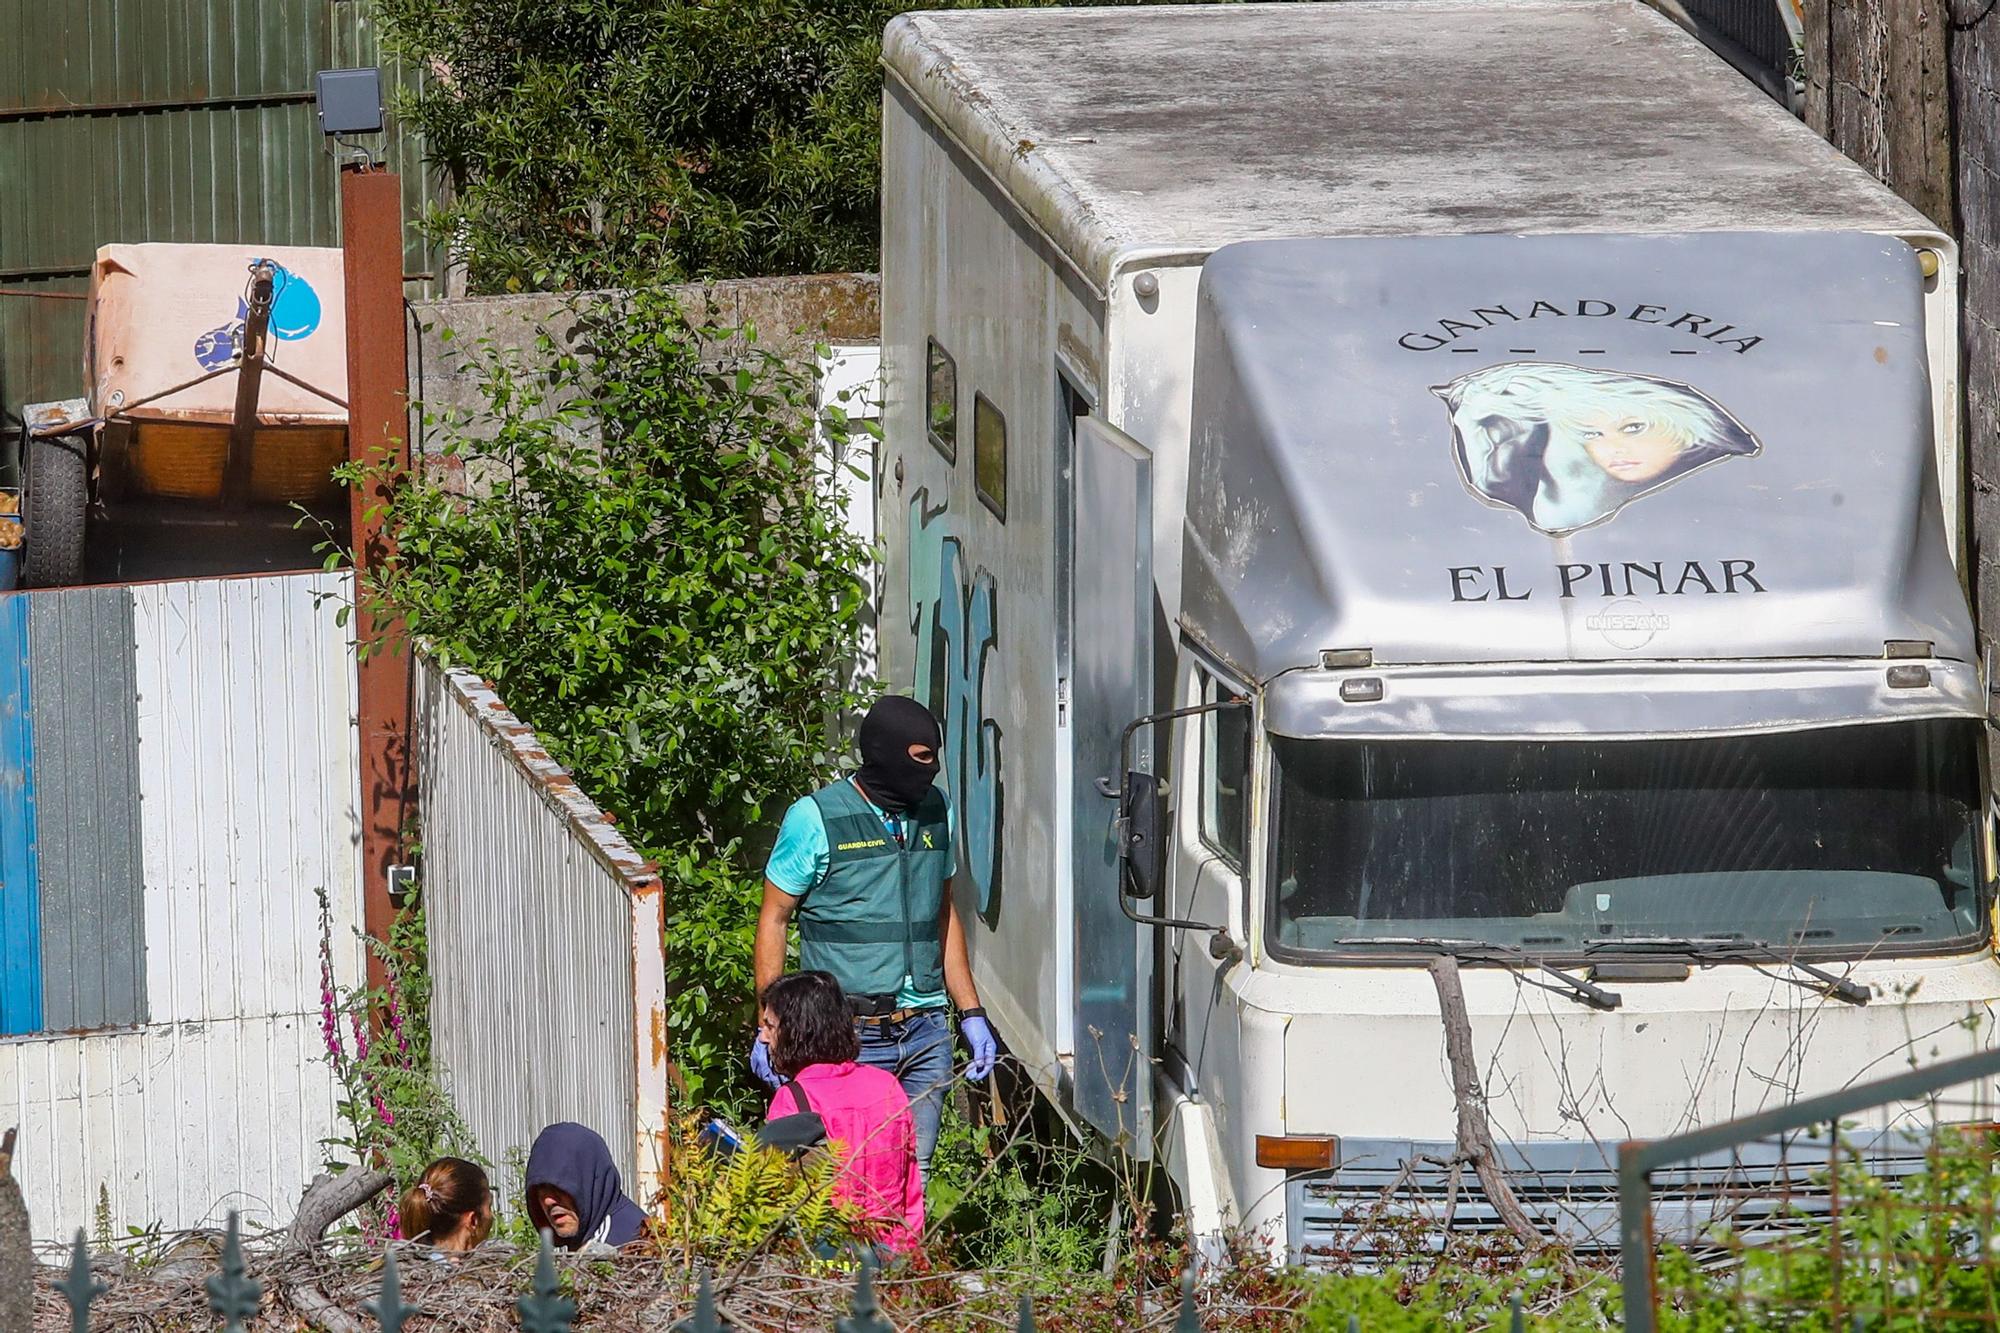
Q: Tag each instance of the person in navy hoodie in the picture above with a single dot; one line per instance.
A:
(574, 1191)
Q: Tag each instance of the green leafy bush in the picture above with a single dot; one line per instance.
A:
(723, 1208)
(1464, 1292)
(648, 561)
(607, 143)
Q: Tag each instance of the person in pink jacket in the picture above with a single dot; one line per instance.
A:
(810, 1032)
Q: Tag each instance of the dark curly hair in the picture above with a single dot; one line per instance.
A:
(814, 1025)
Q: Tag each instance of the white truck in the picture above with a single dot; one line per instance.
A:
(1528, 461)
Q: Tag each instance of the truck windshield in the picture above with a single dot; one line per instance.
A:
(1859, 839)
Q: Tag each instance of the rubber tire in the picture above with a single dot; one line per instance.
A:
(55, 501)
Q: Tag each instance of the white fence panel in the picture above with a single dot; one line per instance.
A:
(546, 941)
(249, 798)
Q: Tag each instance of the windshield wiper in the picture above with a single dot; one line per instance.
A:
(1829, 984)
(1480, 951)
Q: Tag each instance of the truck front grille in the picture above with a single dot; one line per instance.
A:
(1390, 1195)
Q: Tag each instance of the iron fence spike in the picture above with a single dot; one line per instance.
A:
(233, 1295)
(1189, 1320)
(388, 1307)
(545, 1309)
(867, 1311)
(704, 1319)
(80, 1288)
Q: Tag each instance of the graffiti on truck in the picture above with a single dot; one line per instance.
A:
(954, 618)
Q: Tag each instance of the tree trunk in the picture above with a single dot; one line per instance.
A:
(1475, 1135)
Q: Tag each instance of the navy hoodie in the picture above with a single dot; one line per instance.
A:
(573, 1159)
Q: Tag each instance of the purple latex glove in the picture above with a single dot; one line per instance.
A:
(760, 1065)
(978, 1034)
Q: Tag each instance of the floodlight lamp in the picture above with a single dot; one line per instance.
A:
(349, 101)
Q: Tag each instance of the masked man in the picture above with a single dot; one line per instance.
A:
(865, 867)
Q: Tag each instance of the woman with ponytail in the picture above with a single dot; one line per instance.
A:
(450, 1208)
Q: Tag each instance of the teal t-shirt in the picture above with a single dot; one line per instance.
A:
(800, 858)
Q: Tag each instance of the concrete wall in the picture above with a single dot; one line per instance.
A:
(790, 315)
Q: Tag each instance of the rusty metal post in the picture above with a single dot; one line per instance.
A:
(249, 380)
(1636, 1244)
(371, 228)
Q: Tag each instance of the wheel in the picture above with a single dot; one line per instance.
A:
(55, 494)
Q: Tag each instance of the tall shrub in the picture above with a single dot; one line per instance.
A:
(603, 143)
(648, 561)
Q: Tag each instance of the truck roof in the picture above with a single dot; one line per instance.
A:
(1185, 128)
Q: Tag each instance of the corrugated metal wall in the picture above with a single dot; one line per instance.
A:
(20, 898)
(86, 807)
(247, 759)
(248, 787)
(546, 940)
(159, 120)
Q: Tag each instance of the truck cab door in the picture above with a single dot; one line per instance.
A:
(1112, 597)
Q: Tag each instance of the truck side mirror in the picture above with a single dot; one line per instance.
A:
(1141, 844)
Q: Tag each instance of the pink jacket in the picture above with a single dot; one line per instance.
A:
(868, 1121)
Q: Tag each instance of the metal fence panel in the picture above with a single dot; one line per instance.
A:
(174, 1123)
(546, 941)
(1758, 37)
(251, 790)
(85, 711)
(1876, 1206)
(1756, 26)
(248, 798)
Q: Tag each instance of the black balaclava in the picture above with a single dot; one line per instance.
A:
(891, 778)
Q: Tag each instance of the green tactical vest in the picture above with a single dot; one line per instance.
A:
(874, 920)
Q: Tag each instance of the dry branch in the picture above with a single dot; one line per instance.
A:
(328, 1199)
(1475, 1135)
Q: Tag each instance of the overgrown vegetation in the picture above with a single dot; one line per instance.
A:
(648, 561)
(725, 1209)
(378, 1043)
(1924, 1253)
(607, 143)
(1020, 1194)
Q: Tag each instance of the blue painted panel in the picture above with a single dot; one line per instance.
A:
(20, 905)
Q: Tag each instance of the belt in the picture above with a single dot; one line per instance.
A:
(877, 1009)
(895, 1016)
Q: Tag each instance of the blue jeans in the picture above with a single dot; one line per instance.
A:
(918, 1051)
